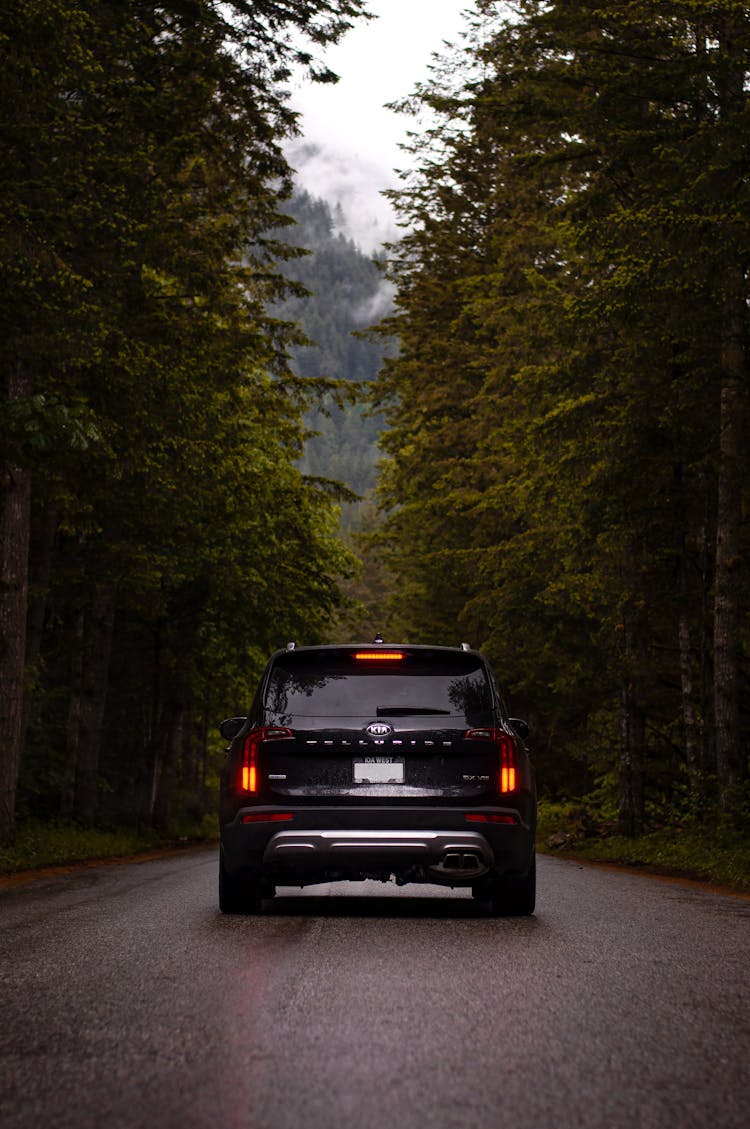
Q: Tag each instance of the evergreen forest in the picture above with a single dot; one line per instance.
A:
(158, 537)
(567, 440)
(552, 413)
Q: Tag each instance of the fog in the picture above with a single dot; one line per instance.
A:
(350, 143)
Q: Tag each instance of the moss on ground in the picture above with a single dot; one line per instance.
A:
(40, 844)
(711, 853)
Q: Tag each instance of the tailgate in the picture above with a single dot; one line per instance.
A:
(403, 765)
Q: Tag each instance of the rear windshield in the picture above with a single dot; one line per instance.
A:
(326, 684)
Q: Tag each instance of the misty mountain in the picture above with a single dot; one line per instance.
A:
(347, 293)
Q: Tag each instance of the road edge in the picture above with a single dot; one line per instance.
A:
(659, 874)
(22, 877)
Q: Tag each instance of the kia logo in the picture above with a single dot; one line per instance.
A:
(378, 729)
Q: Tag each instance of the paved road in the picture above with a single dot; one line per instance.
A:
(126, 1000)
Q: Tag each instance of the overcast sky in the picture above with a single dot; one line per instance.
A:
(378, 61)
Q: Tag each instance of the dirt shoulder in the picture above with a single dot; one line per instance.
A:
(22, 877)
(659, 873)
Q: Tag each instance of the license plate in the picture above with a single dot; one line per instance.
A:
(379, 770)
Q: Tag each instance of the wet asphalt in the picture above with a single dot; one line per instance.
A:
(127, 1000)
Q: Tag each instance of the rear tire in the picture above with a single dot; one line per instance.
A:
(481, 891)
(238, 893)
(513, 896)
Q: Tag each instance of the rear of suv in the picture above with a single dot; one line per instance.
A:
(377, 761)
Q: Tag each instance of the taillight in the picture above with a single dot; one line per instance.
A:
(490, 817)
(267, 817)
(248, 781)
(508, 765)
(507, 756)
(379, 656)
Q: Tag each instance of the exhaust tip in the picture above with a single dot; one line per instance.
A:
(461, 864)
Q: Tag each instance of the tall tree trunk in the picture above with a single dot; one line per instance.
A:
(727, 645)
(689, 721)
(686, 613)
(93, 700)
(15, 523)
(632, 742)
(43, 530)
(73, 725)
(706, 561)
(155, 744)
(173, 743)
(175, 734)
(203, 761)
(632, 732)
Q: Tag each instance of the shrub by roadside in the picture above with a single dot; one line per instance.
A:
(57, 844)
(711, 852)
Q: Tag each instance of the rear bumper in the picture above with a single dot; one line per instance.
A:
(419, 844)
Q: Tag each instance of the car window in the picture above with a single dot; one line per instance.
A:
(339, 685)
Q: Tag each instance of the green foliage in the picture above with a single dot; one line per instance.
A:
(174, 541)
(557, 465)
(39, 844)
(710, 852)
(39, 422)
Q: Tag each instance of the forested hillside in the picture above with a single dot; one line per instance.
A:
(567, 441)
(346, 294)
(157, 536)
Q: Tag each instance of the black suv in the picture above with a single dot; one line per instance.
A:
(370, 761)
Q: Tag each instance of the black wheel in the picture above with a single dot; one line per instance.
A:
(481, 891)
(514, 896)
(238, 893)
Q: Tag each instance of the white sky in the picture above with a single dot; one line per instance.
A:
(378, 61)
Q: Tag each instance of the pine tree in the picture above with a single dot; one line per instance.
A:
(566, 409)
(142, 174)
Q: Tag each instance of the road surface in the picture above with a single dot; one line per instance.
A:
(127, 1000)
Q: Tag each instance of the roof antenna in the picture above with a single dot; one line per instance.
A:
(378, 638)
(290, 646)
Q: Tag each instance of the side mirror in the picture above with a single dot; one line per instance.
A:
(231, 727)
(521, 727)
